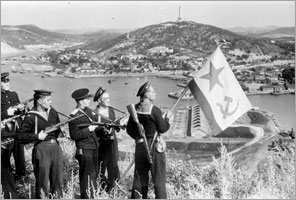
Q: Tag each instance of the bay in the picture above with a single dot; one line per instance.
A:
(123, 92)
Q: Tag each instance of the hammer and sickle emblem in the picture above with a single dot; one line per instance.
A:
(225, 111)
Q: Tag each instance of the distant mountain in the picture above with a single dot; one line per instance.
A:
(90, 30)
(279, 32)
(251, 30)
(186, 37)
(268, 31)
(18, 36)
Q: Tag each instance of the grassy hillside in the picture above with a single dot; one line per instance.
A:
(273, 179)
(186, 38)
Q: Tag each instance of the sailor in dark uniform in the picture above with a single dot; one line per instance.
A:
(292, 134)
(9, 100)
(153, 122)
(10, 106)
(108, 149)
(86, 140)
(47, 155)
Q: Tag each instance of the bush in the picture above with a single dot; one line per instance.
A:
(191, 179)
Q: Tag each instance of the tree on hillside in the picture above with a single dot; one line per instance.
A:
(288, 74)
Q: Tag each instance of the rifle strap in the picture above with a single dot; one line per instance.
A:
(35, 113)
(36, 124)
(85, 115)
(63, 114)
(153, 140)
(16, 126)
(31, 144)
(38, 113)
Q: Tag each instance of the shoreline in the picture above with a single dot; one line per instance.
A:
(168, 75)
(176, 76)
(179, 77)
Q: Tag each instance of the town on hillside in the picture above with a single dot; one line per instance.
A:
(257, 74)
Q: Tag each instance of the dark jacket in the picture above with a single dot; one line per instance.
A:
(84, 139)
(27, 131)
(8, 99)
(151, 118)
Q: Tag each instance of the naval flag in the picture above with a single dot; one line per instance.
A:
(218, 92)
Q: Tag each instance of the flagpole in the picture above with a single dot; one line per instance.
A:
(179, 98)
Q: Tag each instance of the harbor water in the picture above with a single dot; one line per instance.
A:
(123, 91)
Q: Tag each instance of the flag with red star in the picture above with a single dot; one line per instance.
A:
(218, 92)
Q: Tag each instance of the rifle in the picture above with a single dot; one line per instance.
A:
(119, 118)
(132, 111)
(8, 120)
(107, 125)
(25, 103)
(6, 142)
(114, 123)
(51, 129)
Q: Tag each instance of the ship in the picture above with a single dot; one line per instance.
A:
(277, 92)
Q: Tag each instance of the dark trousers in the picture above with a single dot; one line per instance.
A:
(141, 174)
(19, 158)
(108, 160)
(88, 171)
(7, 182)
(48, 167)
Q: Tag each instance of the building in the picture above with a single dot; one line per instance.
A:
(161, 50)
(266, 88)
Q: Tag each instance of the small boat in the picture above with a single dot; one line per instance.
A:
(183, 85)
(175, 95)
(109, 81)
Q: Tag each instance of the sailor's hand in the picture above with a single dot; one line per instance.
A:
(42, 135)
(168, 115)
(11, 110)
(92, 128)
(117, 129)
(20, 107)
(106, 130)
(2, 124)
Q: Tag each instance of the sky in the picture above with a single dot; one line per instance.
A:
(54, 15)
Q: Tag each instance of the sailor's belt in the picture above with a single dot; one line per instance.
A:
(51, 141)
(108, 138)
(139, 141)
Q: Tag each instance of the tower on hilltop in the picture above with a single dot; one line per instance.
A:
(180, 15)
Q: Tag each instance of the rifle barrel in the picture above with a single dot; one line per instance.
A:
(117, 110)
(102, 124)
(5, 121)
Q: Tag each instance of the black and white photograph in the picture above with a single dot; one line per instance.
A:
(148, 100)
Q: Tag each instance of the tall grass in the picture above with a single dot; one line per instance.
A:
(273, 179)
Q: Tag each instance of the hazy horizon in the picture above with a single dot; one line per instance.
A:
(91, 15)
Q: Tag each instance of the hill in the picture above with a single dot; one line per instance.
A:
(268, 31)
(19, 36)
(185, 38)
(279, 32)
(251, 30)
